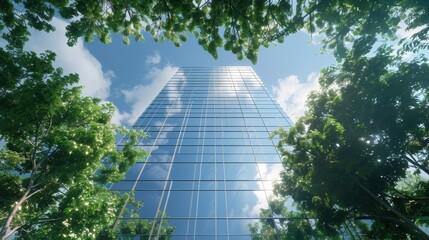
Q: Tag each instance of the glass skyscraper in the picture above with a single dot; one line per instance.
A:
(211, 166)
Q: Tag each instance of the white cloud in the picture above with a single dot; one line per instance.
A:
(142, 95)
(402, 31)
(153, 59)
(314, 38)
(291, 93)
(76, 59)
(408, 56)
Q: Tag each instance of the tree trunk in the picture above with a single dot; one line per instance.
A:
(6, 232)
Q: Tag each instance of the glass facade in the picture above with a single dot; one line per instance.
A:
(211, 166)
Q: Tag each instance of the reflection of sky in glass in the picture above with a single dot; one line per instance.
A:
(211, 166)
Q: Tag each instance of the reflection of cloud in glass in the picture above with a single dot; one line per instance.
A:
(156, 171)
(161, 138)
(176, 106)
(207, 137)
(133, 172)
(242, 204)
(268, 172)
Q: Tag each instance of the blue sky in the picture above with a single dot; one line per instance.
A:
(130, 76)
(296, 60)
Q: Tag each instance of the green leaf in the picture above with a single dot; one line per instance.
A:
(60, 150)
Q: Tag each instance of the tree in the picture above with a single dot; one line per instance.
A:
(361, 23)
(141, 228)
(135, 228)
(239, 26)
(347, 158)
(59, 155)
(278, 222)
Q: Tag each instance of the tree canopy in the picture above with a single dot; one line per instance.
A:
(278, 222)
(240, 26)
(347, 158)
(60, 152)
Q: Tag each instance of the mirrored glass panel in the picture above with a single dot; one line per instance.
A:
(212, 166)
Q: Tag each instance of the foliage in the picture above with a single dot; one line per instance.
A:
(278, 222)
(141, 228)
(347, 158)
(59, 154)
(239, 26)
(132, 227)
(361, 23)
